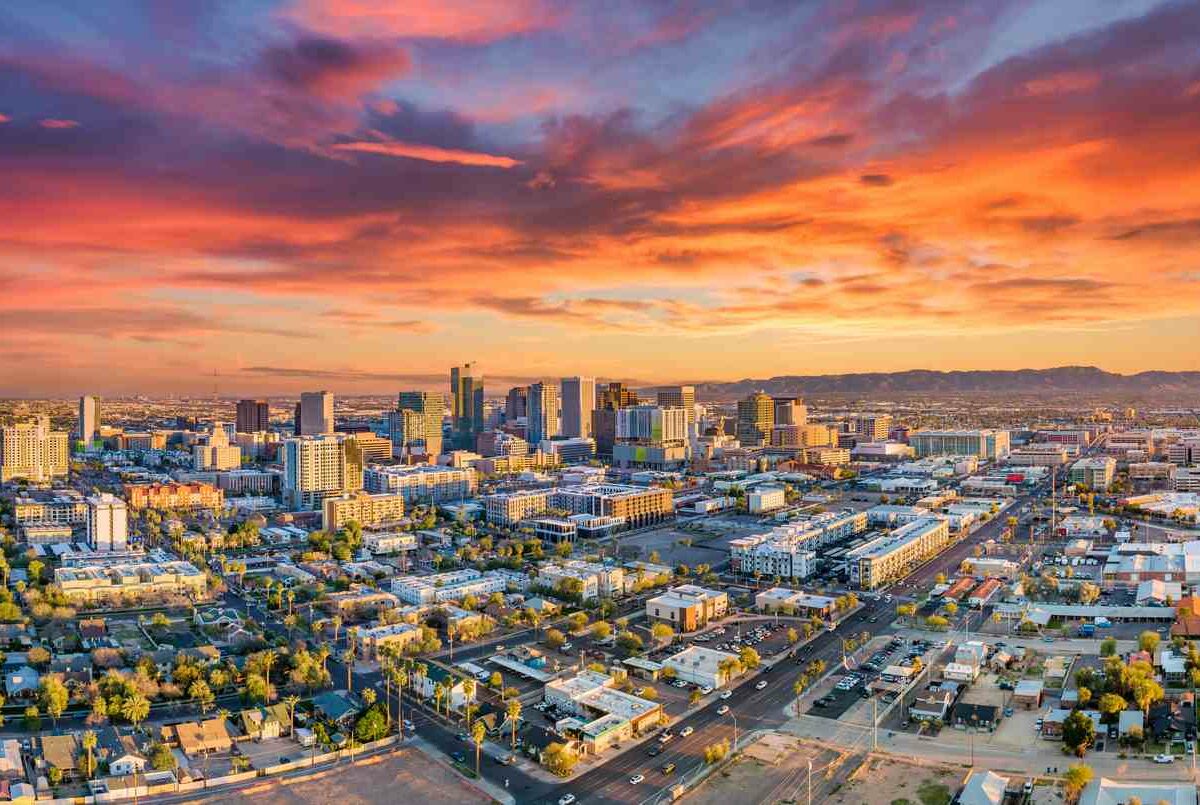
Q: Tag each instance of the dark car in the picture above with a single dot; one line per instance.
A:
(459, 757)
(656, 749)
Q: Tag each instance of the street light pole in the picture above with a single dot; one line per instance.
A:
(810, 781)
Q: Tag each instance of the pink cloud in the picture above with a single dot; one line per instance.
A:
(4, 118)
(462, 20)
(56, 123)
(430, 153)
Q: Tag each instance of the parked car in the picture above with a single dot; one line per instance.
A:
(762, 683)
(725, 694)
(707, 689)
(637, 778)
(409, 726)
(1164, 758)
(686, 731)
(723, 709)
(566, 799)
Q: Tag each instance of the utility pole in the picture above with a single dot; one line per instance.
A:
(874, 724)
(810, 781)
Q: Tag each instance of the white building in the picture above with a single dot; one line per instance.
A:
(107, 523)
(598, 581)
(986, 444)
(422, 483)
(790, 550)
(766, 499)
(217, 454)
(319, 467)
(700, 666)
(888, 557)
(453, 586)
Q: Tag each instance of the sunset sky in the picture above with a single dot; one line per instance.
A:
(358, 194)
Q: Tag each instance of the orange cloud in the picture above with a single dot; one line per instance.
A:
(429, 153)
(56, 123)
(465, 20)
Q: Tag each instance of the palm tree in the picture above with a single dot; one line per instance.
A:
(89, 743)
(268, 659)
(513, 711)
(348, 661)
(135, 709)
(336, 620)
(368, 698)
(439, 691)
(291, 702)
(478, 733)
(323, 658)
(468, 694)
(401, 679)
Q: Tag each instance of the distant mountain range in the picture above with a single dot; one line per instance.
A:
(1064, 379)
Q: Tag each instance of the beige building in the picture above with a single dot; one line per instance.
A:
(130, 580)
(889, 557)
(371, 511)
(755, 419)
(30, 450)
(217, 453)
(397, 636)
(636, 505)
(510, 508)
(174, 496)
(320, 467)
(688, 607)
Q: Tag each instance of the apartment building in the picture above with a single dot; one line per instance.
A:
(196, 495)
(637, 506)
(32, 451)
(249, 482)
(1186, 479)
(107, 523)
(416, 424)
(651, 437)
(320, 467)
(688, 607)
(510, 508)
(1044, 454)
(360, 599)
(61, 509)
(130, 580)
(790, 550)
(597, 580)
(1094, 473)
(889, 557)
(871, 427)
(369, 510)
(986, 444)
(377, 639)
(422, 483)
(453, 586)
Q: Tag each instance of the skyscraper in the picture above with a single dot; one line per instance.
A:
(416, 424)
(614, 396)
(681, 397)
(578, 402)
(107, 523)
(32, 451)
(466, 405)
(755, 418)
(89, 419)
(253, 416)
(609, 399)
(316, 412)
(790, 411)
(543, 413)
(516, 405)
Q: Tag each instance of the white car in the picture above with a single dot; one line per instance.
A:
(566, 799)
(707, 689)
(762, 683)
(723, 709)
(637, 778)
(1164, 758)
(686, 731)
(409, 726)
(725, 694)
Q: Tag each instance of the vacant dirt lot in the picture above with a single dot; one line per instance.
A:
(407, 776)
(890, 782)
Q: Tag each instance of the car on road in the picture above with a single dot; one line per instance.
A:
(1164, 758)
(462, 736)
(686, 731)
(725, 694)
(506, 760)
(666, 736)
(459, 757)
(723, 709)
(762, 683)
(409, 726)
(637, 778)
(667, 768)
(707, 689)
(566, 799)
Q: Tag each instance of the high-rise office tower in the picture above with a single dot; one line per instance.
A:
(516, 404)
(253, 416)
(872, 427)
(466, 404)
(578, 402)
(790, 411)
(319, 467)
(609, 399)
(107, 523)
(651, 437)
(755, 418)
(32, 451)
(316, 412)
(416, 424)
(543, 413)
(681, 397)
(89, 419)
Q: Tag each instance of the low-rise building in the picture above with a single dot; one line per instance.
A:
(452, 586)
(604, 715)
(701, 666)
(510, 508)
(593, 579)
(794, 602)
(397, 636)
(195, 495)
(1094, 473)
(688, 607)
(358, 599)
(91, 583)
(367, 509)
(766, 499)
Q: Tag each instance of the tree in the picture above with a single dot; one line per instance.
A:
(1109, 704)
(54, 697)
(749, 658)
(291, 702)
(950, 608)
(468, 687)
(1108, 647)
(513, 710)
(202, 694)
(629, 643)
(55, 776)
(496, 681)
(368, 697)
(1148, 641)
(371, 725)
(89, 744)
(792, 635)
(1079, 732)
(560, 759)
(662, 632)
(1089, 593)
(693, 697)
(601, 630)
(160, 757)
(478, 733)
(555, 639)
(135, 708)
(1076, 779)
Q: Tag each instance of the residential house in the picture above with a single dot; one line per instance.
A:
(22, 683)
(75, 669)
(1103, 791)
(1028, 693)
(973, 714)
(11, 767)
(983, 788)
(931, 706)
(338, 706)
(260, 724)
(201, 737)
(119, 751)
(1128, 719)
(60, 752)
(425, 686)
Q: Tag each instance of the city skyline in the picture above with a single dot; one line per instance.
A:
(291, 196)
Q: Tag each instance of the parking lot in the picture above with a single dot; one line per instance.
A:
(845, 690)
